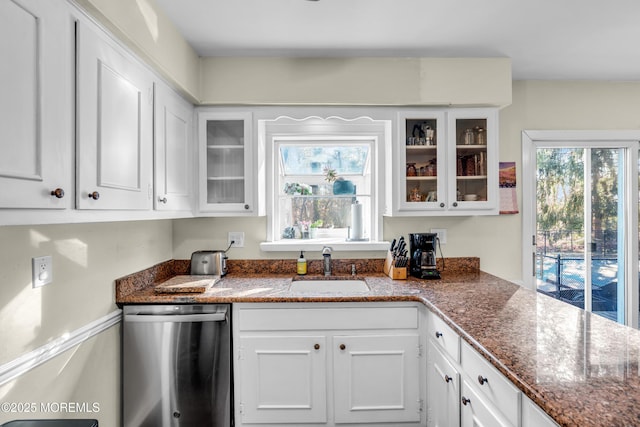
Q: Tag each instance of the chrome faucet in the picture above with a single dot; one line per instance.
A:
(326, 260)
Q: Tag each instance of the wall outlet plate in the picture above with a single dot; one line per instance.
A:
(41, 271)
(442, 234)
(238, 239)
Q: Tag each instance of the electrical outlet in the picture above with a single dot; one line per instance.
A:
(238, 239)
(41, 271)
(442, 234)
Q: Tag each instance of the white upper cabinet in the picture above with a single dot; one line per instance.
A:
(36, 82)
(114, 125)
(446, 163)
(226, 171)
(173, 154)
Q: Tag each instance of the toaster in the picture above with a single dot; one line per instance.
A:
(210, 263)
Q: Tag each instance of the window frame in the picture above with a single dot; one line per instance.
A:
(333, 128)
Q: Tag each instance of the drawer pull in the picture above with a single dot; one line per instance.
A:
(317, 346)
(342, 346)
(465, 401)
(95, 195)
(438, 334)
(58, 193)
(447, 379)
(482, 380)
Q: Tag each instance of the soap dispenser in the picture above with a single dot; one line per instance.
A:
(302, 264)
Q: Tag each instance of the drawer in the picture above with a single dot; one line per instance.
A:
(444, 337)
(497, 389)
(327, 318)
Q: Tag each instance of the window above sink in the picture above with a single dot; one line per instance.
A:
(317, 169)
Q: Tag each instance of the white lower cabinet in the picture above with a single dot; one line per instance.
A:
(284, 378)
(443, 389)
(328, 364)
(464, 389)
(476, 412)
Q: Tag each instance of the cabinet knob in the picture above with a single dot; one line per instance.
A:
(95, 195)
(162, 199)
(465, 401)
(58, 192)
(482, 380)
(442, 205)
(455, 204)
(246, 207)
(317, 346)
(447, 379)
(342, 346)
(438, 334)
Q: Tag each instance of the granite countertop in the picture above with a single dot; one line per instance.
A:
(582, 369)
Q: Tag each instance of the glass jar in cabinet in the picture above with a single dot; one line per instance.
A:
(225, 163)
(421, 154)
(473, 173)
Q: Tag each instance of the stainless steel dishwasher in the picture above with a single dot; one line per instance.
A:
(176, 366)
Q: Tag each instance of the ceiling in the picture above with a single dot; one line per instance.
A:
(545, 39)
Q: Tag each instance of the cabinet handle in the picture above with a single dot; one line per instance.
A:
(455, 204)
(465, 401)
(246, 207)
(58, 192)
(342, 346)
(447, 379)
(442, 205)
(482, 380)
(438, 334)
(95, 195)
(163, 199)
(317, 346)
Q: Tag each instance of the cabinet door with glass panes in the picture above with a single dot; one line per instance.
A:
(225, 162)
(421, 151)
(472, 165)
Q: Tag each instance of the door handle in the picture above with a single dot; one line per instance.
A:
(179, 318)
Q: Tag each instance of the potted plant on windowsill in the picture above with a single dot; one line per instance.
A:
(313, 228)
(340, 185)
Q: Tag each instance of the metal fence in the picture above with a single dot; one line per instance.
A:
(563, 277)
(605, 242)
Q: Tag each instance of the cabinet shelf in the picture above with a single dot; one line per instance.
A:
(226, 146)
(423, 147)
(471, 177)
(422, 178)
(225, 178)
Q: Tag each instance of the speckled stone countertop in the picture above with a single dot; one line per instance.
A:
(582, 369)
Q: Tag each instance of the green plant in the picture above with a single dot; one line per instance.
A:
(330, 175)
(316, 224)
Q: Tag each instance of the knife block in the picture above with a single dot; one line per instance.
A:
(396, 273)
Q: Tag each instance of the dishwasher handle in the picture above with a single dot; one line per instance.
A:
(177, 318)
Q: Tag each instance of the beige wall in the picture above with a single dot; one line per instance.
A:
(148, 32)
(496, 240)
(357, 81)
(86, 260)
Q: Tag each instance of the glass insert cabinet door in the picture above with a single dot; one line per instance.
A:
(422, 153)
(224, 156)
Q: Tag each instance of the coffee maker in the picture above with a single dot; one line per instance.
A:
(422, 247)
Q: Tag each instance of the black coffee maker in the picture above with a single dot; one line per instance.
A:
(423, 255)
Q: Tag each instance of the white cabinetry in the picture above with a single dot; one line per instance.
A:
(226, 169)
(173, 153)
(36, 82)
(463, 389)
(328, 364)
(446, 163)
(114, 125)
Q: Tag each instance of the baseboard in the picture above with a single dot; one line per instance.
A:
(40, 355)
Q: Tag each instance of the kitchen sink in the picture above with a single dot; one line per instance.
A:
(330, 286)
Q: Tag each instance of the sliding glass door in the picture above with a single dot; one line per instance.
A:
(584, 224)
